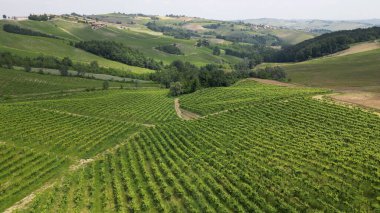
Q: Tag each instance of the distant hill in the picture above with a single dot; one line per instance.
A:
(312, 25)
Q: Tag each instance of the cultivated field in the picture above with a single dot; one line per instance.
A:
(258, 148)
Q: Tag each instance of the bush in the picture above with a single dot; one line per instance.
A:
(171, 49)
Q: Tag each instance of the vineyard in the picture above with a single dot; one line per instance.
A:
(23, 170)
(274, 150)
(141, 106)
(241, 94)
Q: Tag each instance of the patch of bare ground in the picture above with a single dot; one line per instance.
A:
(348, 97)
(273, 82)
(81, 163)
(366, 99)
(194, 27)
(28, 199)
(184, 114)
(363, 47)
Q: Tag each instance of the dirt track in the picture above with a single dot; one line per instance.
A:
(184, 114)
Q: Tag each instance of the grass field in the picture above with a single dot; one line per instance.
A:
(360, 71)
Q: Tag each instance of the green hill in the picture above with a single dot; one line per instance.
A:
(33, 46)
(360, 71)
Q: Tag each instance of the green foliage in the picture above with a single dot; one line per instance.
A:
(326, 44)
(178, 33)
(192, 78)
(216, 50)
(243, 93)
(42, 17)
(275, 73)
(171, 49)
(9, 60)
(176, 89)
(105, 85)
(270, 156)
(23, 170)
(10, 28)
(118, 52)
(15, 82)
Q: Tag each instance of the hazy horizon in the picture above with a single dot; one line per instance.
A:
(212, 9)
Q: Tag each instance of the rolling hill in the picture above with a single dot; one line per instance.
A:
(359, 71)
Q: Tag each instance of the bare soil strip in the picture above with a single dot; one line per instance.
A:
(184, 114)
(363, 47)
(28, 199)
(77, 165)
(366, 99)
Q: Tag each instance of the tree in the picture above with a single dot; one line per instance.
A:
(67, 62)
(105, 85)
(4, 17)
(216, 51)
(64, 70)
(176, 89)
(94, 66)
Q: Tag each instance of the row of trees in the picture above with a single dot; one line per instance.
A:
(326, 44)
(9, 60)
(43, 17)
(184, 77)
(171, 31)
(119, 52)
(10, 28)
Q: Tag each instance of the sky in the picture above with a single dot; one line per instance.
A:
(212, 9)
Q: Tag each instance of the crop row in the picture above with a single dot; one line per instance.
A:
(293, 155)
(143, 106)
(62, 133)
(241, 94)
(23, 170)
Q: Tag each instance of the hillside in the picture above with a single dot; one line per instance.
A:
(264, 152)
(358, 71)
(315, 25)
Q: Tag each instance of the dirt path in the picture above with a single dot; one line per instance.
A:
(184, 114)
(81, 163)
(28, 199)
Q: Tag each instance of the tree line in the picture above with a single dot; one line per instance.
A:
(325, 44)
(43, 17)
(178, 33)
(9, 60)
(10, 28)
(119, 52)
